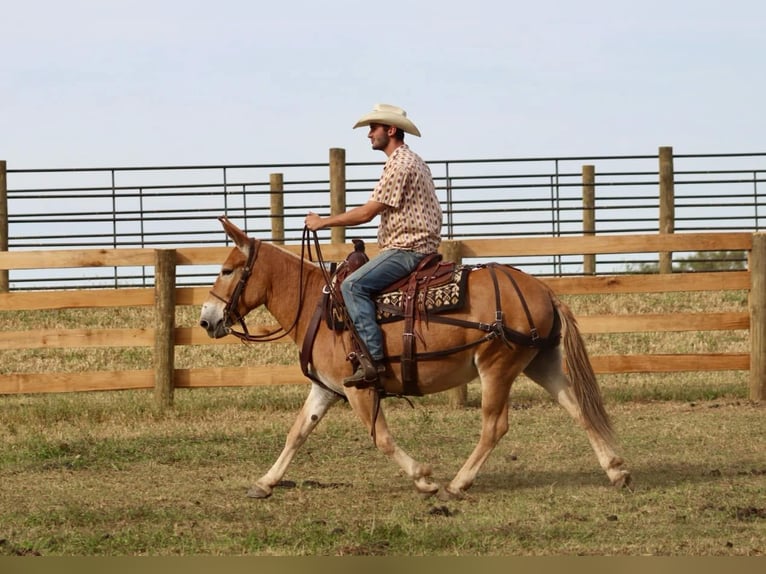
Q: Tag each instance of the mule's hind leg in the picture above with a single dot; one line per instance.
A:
(316, 406)
(546, 370)
(363, 401)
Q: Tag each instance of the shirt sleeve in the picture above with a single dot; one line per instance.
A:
(390, 188)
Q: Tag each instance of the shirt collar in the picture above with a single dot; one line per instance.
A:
(396, 152)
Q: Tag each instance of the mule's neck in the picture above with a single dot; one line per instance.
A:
(293, 288)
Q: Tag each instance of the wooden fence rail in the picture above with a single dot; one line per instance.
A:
(164, 297)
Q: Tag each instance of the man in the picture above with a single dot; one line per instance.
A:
(410, 229)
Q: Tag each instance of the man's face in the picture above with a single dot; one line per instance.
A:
(379, 136)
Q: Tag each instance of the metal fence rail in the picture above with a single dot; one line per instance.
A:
(516, 197)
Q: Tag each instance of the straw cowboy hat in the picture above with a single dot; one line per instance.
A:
(390, 116)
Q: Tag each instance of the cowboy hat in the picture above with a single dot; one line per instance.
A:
(388, 115)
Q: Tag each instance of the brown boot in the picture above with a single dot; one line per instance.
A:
(362, 379)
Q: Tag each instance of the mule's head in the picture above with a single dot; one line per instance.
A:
(235, 291)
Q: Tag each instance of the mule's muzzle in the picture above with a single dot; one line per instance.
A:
(213, 320)
(214, 330)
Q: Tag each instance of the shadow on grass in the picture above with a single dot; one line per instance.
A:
(645, 478)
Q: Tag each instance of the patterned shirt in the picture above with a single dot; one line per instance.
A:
(413, 217)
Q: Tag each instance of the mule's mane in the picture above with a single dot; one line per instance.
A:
(286, 251)
(281, 248)
(294, 269)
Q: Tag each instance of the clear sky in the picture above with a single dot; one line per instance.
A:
(179, 82)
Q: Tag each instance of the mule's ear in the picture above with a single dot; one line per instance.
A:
(238, 236)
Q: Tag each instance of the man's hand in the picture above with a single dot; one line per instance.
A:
(313, 221)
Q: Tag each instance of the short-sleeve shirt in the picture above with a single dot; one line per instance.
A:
(413, 218)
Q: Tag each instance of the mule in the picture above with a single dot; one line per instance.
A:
(258, 273)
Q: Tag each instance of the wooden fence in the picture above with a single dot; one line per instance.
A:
(164, 336)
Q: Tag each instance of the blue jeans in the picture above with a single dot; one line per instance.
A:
(360, 288)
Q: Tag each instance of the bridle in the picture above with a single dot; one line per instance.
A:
(232, 303)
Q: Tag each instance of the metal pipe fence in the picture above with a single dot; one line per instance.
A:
(128, 207)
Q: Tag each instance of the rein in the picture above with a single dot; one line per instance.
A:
(331, 291)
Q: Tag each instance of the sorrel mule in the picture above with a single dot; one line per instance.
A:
(257, 273)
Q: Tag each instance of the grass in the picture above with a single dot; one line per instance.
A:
(88, 474)
(103, 474)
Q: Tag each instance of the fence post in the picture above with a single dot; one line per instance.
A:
(4, 283)
(589, 214)
(667, 204)
(758, 318)
(164, 326)
(453, 251)
(337, 191)
(276, 184)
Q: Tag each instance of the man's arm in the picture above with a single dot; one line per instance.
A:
(355, 216)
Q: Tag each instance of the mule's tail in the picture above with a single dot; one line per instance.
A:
(584, 383)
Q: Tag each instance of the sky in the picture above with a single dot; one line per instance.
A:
(123, 83)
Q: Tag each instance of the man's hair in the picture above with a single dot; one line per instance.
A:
(399, 132)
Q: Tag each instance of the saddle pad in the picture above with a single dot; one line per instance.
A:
(449, 296)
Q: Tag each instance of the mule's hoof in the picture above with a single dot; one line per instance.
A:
(426, 488)
(446, 494)
(623, 481)
(259, 492)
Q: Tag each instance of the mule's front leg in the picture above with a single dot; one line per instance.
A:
(363, 401)
(317, 404)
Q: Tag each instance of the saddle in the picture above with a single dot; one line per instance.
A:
(434, 286)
